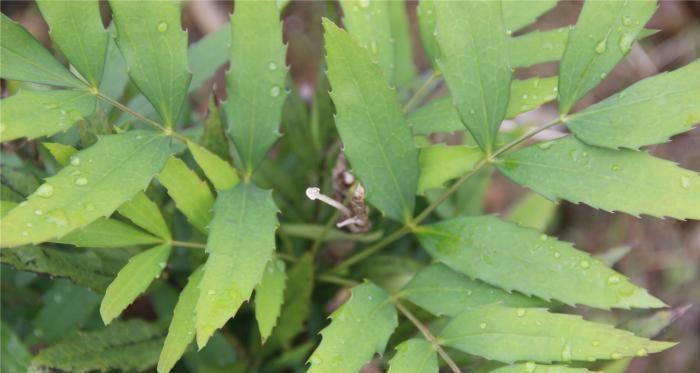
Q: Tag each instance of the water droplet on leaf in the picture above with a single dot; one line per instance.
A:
(275, 91)
(162, 27)
(602, 46)
(81, 181)
(45, 191)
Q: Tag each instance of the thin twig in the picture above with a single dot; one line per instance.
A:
(189, 245)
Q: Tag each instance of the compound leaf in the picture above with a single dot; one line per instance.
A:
(269, 296)
(649, 112)
(623, 180)
(76, 29)
(370, 122)
(603, 35)
(511, 257)
(368, 316)
(190, 193)
(255, 82)
(98, 180)
(154, 46)
(108, 233)
(240, 243)
(474, 61)
(133, 280)
(33, 114)
(414, 355)
(22, 57)
(517, 334)
(444, 292)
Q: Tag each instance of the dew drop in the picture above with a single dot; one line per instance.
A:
(315, 360)
(469, 292)
(50, 106)
(543, 237)
(525, 97)
(90, 207)
(626, 42)
(566, 352)
(38, 212)
(211, 292)
(369, 297)
(603, 75)
(627, 20)
(584, 264)
(616, 355)
(161, 264)
(472, 111)
(615, 168)
(545, 145)
(25, 233)
(613, 279)
(162, 27)
(482, 325)
(601, 47)
(272, 66)
(520, 312)
(642, 352)
(530, 366)
(685, 182)
(45, 191)
(557, 254)
(29, 225)
(364, 3)
(75, 161)
(275, 91)
(81, 181)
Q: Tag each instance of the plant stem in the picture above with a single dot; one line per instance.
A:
(420, 92)
(337, 280)
(189, 245)
(428, 335)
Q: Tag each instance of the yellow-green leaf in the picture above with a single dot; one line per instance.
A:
(190, 193)
(108, 233)
(269, 295)
(218, 171)
(440, 163)
(146, 214)
(414, 355)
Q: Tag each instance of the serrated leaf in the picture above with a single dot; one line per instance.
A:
(533, 211)
(240, 243)
(369, 119)
(444, 292)
(414, 355)
(64, 308)
(368, 316)
(511, 257)
(315, 231)
(97, 182)
(297, 301)
(440, 114)
(537, 368)
(182, 328)
(509, 335)
(649, 112)
(518, 14)
(256, 80)
(125, 346)
(88, 268)
(146, 214)
(22, 57)
(207, 55)
(190, 193)
(218, 171)
(60, 152)
(368, 22)
(603, 35)
(474, 61)
(15, 355)
(269, 295)
(33, 114)
(537, 46)
(76, 29)
(154, 46)
(606, 179)
(108, 233)
(405, 71)
(133, 280)
(440, 163)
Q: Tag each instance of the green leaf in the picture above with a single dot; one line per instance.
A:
(15, 355)
(240, 243)
(97, 182)
(76, 29)
(440, 114)
(125, 346)
(444, 292)
(426, 28)
(255, 82)
(23, 58)
(154, 46)
(518, 14)
(207, 55)
(297, 301)
(108, 233)
(133, 280)
(370, 122)
(369, 318)
(315, 231)
(414, 355)
(474, 60)
(405, 71)
(511, 257)
(33, 114)
(536, 368)
(440, 163)
(65, 307)
(603, 35)
(509, 335)
(60, 152)
(190, 193)
(537, 46)
(649, 112)
(146, 214)
(214, 136)
(533, 211)
(269, 295)
(181, 330)
(218, 171)
(606, 179)
(368, 22)
(89, 268)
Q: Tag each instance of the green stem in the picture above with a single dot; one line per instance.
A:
(189, 245)
(337, 280)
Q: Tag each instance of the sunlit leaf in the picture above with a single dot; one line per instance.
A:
(269, 296)
(440, 163)
(146, 214)
(533, 211)
(414, 355)
(108, 233)
(218, 171)
(190, 193)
